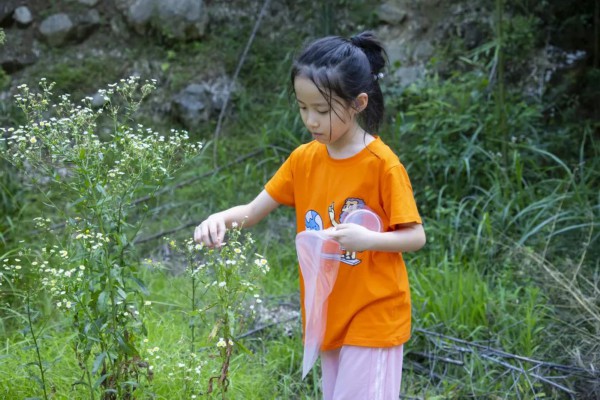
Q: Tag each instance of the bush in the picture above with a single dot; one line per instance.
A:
(89, 178)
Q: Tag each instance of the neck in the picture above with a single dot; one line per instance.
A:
(353, 142)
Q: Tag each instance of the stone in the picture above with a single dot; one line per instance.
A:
(56, 29)
(200, 101)
(179, 19)
(424, 50)
(98, 100)
(192, 105)
(409, 75)
(7, 9)
(85, 25)
(23, 16)
(392, 13)
(18, 52)
(89, 3)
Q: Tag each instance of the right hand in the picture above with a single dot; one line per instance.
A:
(211, 231)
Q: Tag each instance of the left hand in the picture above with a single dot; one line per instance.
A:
(352, 237)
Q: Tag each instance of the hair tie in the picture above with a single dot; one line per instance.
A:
(378, 76)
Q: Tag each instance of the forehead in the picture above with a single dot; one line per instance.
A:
(307, 92)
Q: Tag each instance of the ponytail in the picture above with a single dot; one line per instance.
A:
(377, 57)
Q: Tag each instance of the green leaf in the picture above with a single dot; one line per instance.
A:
(103, 301)
(101, 190)
(126, 347)
(244, 348)
(142, 286)
(122, 293)
(98, 361)
(100, 380)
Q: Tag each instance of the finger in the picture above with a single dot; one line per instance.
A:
(213, 235)
(331, 233)
(219, 233)
(197, 234)
(205, 229)
(341, 227)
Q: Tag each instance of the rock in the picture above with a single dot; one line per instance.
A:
(424, 50)
(18, 51)
(179, 19)
(119, 27)
(408, 75)
(22, 16)
(61, 28)
(220, 90)
(56, 29)
(473, 34)
(191, 106)
(98, 100)
(85, 25)
(89, 3)
(392, 12)
(199, 101)
(15, 61)
(7, 9)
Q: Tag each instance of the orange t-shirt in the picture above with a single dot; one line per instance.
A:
(370, 301)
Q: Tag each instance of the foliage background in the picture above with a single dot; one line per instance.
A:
(505, 295)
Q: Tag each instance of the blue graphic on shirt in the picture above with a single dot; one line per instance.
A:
(313, 221)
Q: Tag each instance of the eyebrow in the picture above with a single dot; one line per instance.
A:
(323, 104)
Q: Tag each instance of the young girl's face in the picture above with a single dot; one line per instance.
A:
(330, 123)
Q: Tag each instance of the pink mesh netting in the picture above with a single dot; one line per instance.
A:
(319, 258)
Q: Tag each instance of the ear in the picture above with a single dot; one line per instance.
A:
(360, 102)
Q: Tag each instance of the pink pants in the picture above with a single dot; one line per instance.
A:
(362, 373)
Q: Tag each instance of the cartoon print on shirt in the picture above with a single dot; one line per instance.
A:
(313, 221)
(350, 204)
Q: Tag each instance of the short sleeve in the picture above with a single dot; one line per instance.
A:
(281, 185)
(397, 195)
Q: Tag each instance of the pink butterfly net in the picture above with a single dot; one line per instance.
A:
(319, 258)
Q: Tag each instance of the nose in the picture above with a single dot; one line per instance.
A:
(311, 120)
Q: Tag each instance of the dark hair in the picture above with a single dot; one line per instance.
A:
(345, 68)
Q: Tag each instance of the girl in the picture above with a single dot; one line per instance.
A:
(346, 167)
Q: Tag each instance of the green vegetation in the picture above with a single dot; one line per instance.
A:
(505, 294)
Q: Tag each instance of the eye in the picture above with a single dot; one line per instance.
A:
(323, 112)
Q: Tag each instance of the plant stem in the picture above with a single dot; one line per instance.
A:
(89, 380)
(192, 323)
(501, 95)
(597, 35)
(37, 347)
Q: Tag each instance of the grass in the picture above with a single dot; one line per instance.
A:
(448, 290)
(274, 355)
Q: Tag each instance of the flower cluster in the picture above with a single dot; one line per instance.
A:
(12, 270)
(184, 366)
(261, 263)
(91, 240)
(71, 140)
(223, 343)
(230, 277)
(58, 278)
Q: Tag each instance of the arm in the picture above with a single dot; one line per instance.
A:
(353, 237)
(212, 230)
